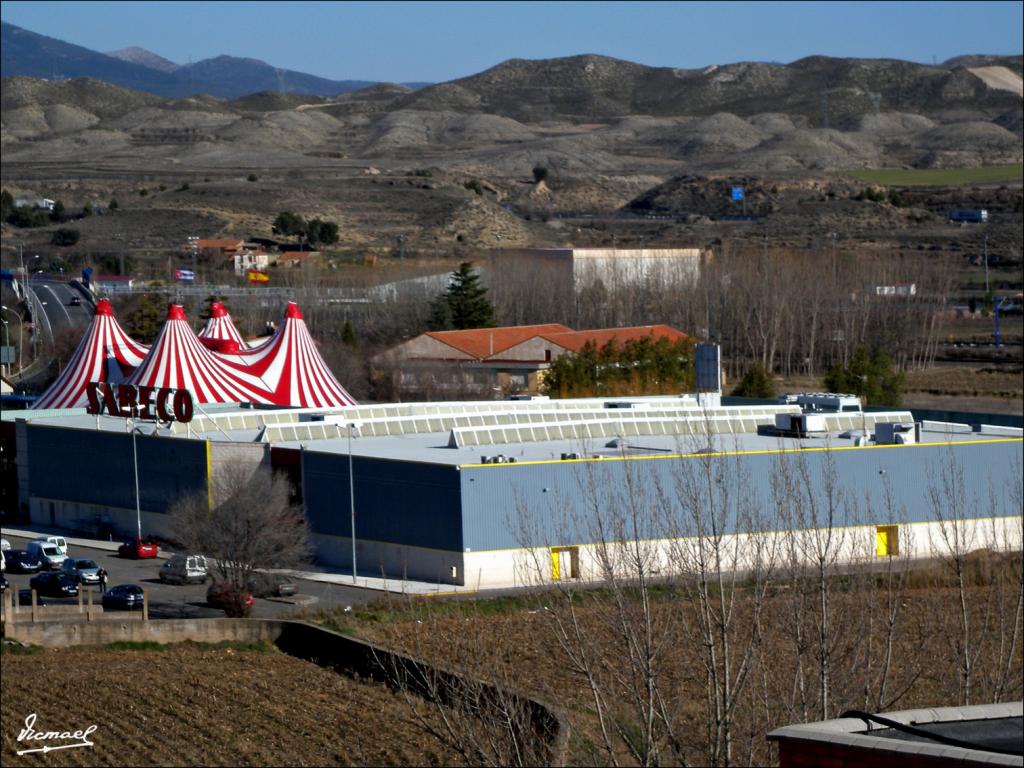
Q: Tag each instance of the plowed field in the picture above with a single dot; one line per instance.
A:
(203, 706)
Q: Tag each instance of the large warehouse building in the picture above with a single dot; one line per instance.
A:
(499, 493)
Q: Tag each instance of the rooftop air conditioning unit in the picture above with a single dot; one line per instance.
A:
(896, 433)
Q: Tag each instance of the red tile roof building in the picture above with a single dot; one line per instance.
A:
(488, 361)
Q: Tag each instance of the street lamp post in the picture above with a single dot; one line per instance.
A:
(7, 343)
(135, 466)
(352, 497)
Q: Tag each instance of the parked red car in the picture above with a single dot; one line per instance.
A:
(137, 549)
(235, 601)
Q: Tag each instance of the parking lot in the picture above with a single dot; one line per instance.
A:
(171, 601)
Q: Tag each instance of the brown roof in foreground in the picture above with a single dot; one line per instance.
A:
(574, 340)
(482, 343)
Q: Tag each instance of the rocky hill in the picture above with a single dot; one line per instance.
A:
(827, 92)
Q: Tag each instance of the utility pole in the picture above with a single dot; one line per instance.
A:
(986, 265)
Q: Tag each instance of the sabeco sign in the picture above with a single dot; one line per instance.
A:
(147, 403)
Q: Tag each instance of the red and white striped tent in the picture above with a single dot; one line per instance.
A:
(105, 353)
(179, 360)
(220, 328)
(293, 368)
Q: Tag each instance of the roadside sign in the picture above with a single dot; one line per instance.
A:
(737, 193)
(7, 355)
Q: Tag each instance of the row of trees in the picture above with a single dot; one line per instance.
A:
(314, 231)
(637, 367)
(27, 217)
(791, 312)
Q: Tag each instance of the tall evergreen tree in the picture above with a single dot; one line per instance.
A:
(440, 316)
(348, 335)
(467, 300)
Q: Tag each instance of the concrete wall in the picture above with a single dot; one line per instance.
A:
(664, 557)
(95, 519)
(395, 561)
(423, 346)
(53, 634)
(621, 267)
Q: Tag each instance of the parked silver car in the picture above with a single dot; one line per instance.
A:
(82, 570)
(185, 569)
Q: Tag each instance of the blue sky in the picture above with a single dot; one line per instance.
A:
(436, 41)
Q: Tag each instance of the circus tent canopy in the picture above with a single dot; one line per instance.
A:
(178, 360)
(293, 368)
(220, 328)
(105, 353)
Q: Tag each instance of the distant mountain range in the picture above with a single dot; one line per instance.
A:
(28, 54)
(581, 115)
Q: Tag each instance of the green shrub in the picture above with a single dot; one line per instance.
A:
(65, 237)
(756, 382)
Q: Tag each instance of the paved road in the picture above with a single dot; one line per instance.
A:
(52, 308)
(171, 601)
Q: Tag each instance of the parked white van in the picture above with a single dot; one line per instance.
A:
(48, 554)
(58, 541)
(184, 569)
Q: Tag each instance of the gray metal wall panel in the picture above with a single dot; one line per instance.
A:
(96, 467)
(397, 502)
(499, 499)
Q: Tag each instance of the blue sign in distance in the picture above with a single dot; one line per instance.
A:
(737, 193)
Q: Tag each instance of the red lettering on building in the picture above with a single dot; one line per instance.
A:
(130, 401)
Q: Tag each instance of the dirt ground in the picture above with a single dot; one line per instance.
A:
(207, 706)
(520, 642)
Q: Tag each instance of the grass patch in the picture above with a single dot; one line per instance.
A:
(148, 645)
(941, 177)
(17, 649)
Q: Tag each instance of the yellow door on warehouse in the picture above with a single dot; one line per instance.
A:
(565, 563)
(887, 540)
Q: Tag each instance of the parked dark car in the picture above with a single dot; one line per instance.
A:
(123, 597)
(54, 585)
(75, 302)
(20, 561)
(4, 584)
(271, 585)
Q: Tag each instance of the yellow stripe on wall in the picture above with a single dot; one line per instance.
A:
(767, 452)
(209, 478)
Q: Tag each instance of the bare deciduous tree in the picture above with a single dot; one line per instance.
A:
(244, 522)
